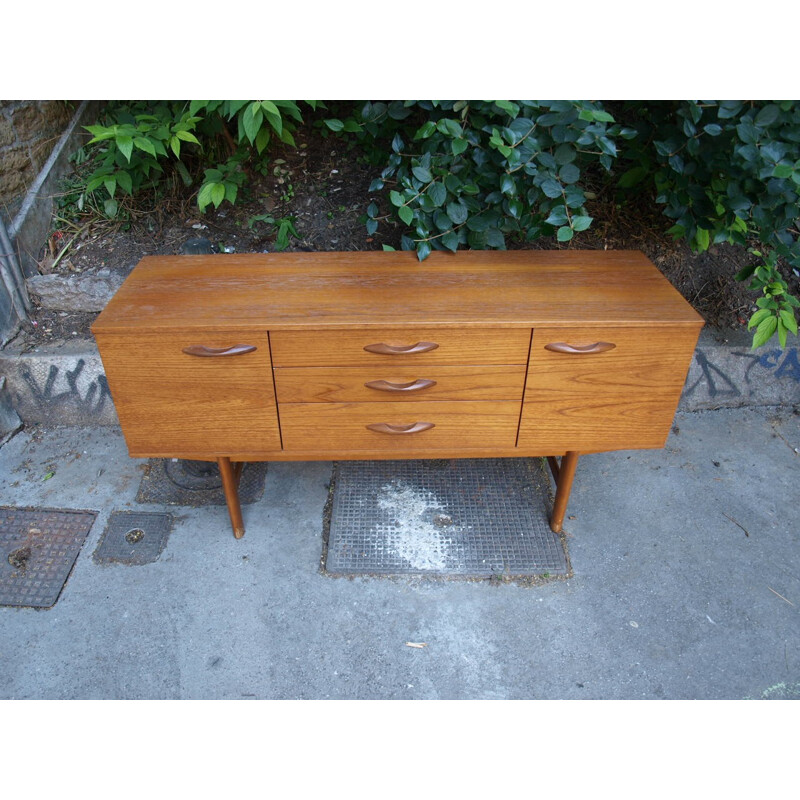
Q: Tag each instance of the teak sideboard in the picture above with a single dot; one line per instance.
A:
(373, 355)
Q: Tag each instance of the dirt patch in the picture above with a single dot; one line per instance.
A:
(323, 184)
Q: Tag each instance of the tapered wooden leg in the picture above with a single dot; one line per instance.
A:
(566, 472)
(230, 483)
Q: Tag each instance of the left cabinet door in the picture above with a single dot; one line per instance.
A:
(218, 399)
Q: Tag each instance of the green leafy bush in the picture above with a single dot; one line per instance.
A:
(474, 173)
(727, 171)
(139, 143)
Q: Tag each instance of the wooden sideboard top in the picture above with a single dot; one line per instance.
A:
(294, 291)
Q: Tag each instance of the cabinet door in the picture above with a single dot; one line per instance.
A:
(604, 388)
(216, 399)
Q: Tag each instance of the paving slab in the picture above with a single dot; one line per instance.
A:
(685, 584)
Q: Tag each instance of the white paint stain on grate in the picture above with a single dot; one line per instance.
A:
(413, 533)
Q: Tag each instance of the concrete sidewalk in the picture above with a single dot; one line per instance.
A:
(686, 584)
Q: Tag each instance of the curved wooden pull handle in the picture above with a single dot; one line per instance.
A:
(414, 427)
(563, 347)
(414, 386)
(400, 350)
(210, 352)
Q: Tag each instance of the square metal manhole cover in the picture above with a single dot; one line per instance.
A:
(133, 537)
(469, 517)
(38, 548)
(180, 482)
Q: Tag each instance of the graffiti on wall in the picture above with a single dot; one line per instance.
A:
(719, 383)
(90, 397)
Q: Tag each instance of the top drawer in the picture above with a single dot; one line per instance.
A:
(410, 346)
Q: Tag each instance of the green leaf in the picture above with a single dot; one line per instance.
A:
(581, 223)
(110, 207)
(458, 146)
(204, 196)
(425, 130)
(782, 171)
(512, 109)
(405, 214)
(632, 177)
(703, 239)
(423, 250)
(564, 234)
(125, 145)
(758, 317)
(565, 154)
(745, 272)
(569, 173)
(388, 248)
(396, 198)
(450, 241)
(262, 140)
(217, 194)
(767, 115)
(111, 186)
(602, 116)
(788, 319)
(124, 181)
(437, 193)
(175, 144)
(146, 145)
(187, 137)
(334, 124)
(551, 188)
(713, 129)
(270, 107)
(252, 121)
(449, 127)
(781, 334)
(422, 174)
(457, 212)
(765, 330)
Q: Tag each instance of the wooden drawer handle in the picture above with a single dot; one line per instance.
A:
(414, 386)
(563, 347)
(401, 350)
(210, 352)
(414, 427)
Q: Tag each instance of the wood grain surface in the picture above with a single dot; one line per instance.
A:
(288, 291)
(171, 402)
(343, 426)
(346, 348)
(618, 399)
(347, 384)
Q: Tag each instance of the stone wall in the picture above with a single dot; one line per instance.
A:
(29, 129)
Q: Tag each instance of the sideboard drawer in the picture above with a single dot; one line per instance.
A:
(399, 427)
(412, 346)
(170, 401)
(604, 388)
(385, 383)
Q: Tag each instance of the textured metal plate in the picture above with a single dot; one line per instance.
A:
(133, 537)
(480, 517)
(38, 548)
(196, 483)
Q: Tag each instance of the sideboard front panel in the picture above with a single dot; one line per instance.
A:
(171, 402)
(604, 388)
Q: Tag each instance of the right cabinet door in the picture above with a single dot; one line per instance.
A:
(603, 388)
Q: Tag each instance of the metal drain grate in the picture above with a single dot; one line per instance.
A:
(38, 548)
(133, 537)
(196, 483)
(480, 518)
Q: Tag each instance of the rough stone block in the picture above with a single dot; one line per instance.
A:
(77, 292)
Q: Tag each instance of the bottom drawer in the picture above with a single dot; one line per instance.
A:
(398, 427)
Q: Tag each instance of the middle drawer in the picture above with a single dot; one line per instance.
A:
(387, 383)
